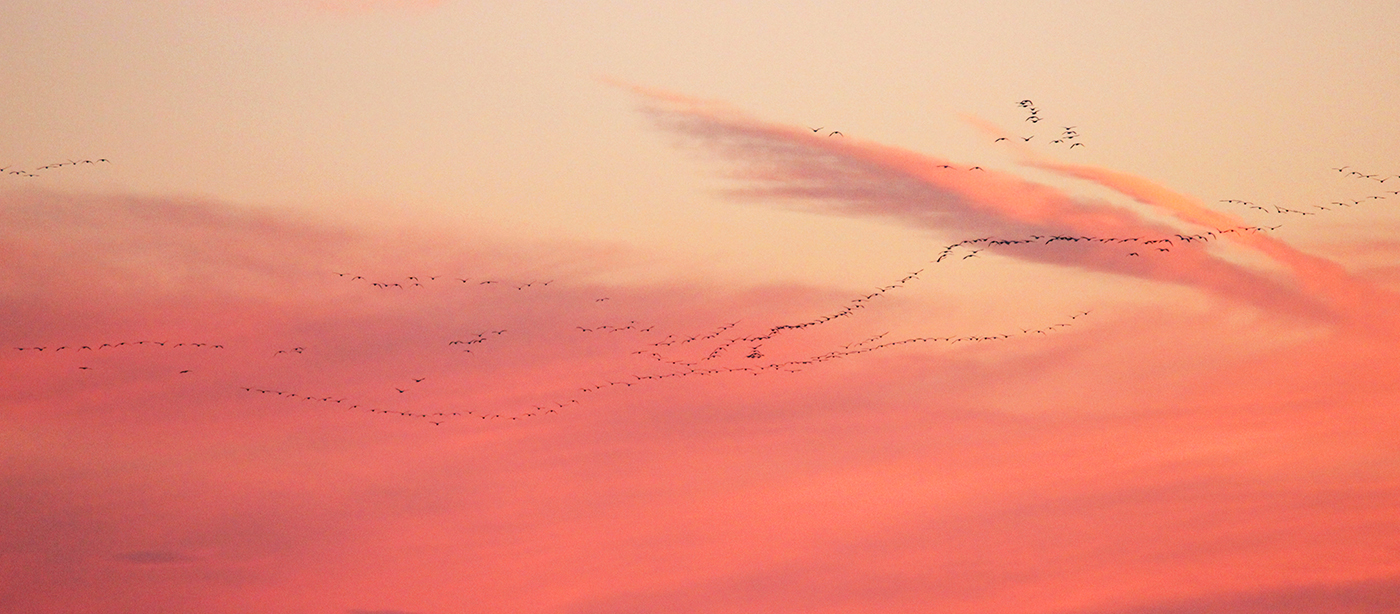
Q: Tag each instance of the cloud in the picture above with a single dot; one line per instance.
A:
(1352, 296)
(848, 176)
(1365, 597)
(1140, 457)
(259, 300)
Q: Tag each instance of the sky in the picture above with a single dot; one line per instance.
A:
(428, 307)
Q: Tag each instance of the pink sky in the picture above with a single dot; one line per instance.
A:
(541, 314)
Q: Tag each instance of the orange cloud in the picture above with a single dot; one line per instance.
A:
(1352, 296)
(1140, 461)
(1012, 216)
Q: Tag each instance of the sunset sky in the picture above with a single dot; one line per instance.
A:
(436, 307)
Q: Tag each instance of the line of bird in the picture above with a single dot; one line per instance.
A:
(755, 342)
(864, 346)
(419, 281)
(480, 337)
(1048, 239)
(1360, 175)
(285, 394)
(1275, 209)
(675, 340)
(611, 328)
(861, 347)
(1278, 210)
(122, 344)
(860, 302)
(691, 368)
(755, 352)
(35, 172)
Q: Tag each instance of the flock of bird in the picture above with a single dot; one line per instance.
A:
(704, 354)
(120, 344)
(1048, 239)
(1069, 136)
(415, 281)
(40, 348)
(466, 410)
(720, 343)
(676, 366)
(1276, 209)
(35, 172)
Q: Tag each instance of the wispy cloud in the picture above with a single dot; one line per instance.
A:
(1139, 460)
(1366, 597)
(844, 175)
(1320, 277)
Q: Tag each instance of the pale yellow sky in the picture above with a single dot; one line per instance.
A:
(497, 115)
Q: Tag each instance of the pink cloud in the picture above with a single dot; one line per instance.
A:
(1319, 276)
(1137, 461)
(848, 176)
